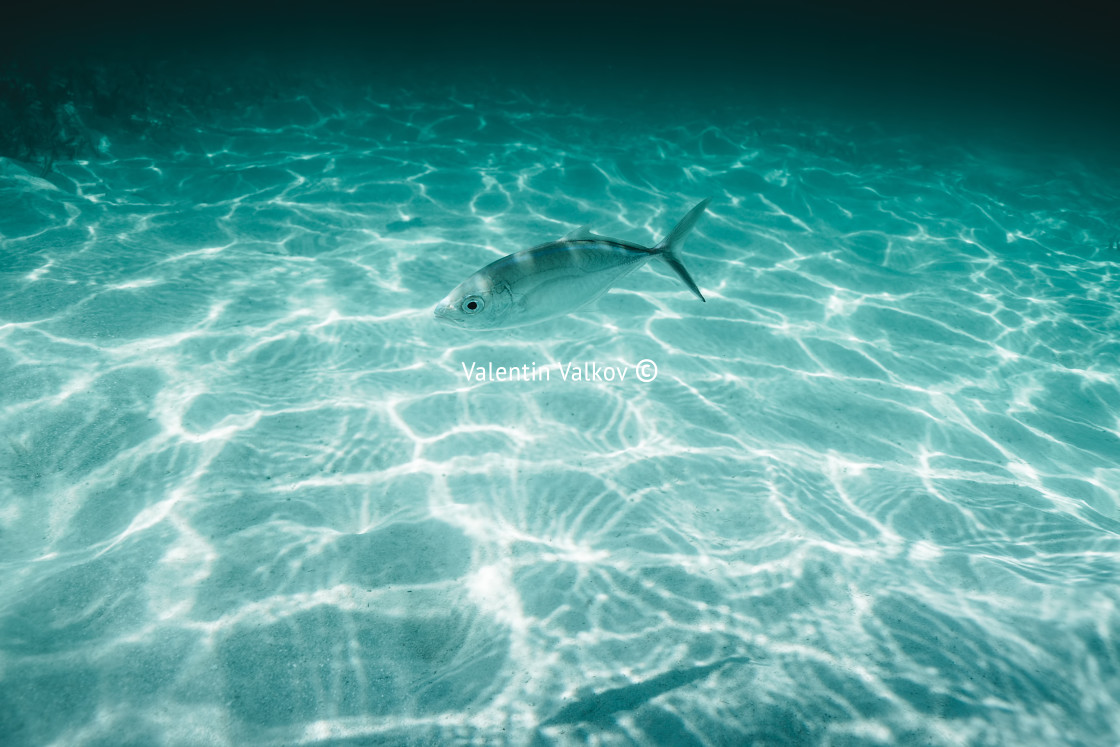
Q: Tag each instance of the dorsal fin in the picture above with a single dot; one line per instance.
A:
(582, 232)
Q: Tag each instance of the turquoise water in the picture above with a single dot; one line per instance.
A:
(250, 496)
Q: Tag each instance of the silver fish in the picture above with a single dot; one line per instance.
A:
(556, 278)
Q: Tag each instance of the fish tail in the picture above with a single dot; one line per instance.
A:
(668, 250)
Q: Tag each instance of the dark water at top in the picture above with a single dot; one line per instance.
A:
(249, 493)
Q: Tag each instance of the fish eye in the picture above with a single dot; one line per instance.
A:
(473, 304)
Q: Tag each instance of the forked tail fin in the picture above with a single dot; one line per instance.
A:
(669, 248)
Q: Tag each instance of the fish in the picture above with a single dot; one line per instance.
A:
(600, 708)
(558, 277)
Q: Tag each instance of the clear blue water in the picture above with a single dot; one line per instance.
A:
(248, 495)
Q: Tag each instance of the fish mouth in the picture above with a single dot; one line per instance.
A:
(443, 313)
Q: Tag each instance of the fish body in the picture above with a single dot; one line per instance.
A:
(556, 278)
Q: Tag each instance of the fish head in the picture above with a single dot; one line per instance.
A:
(476, 303)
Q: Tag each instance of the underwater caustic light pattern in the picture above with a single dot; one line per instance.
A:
(249, 495)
